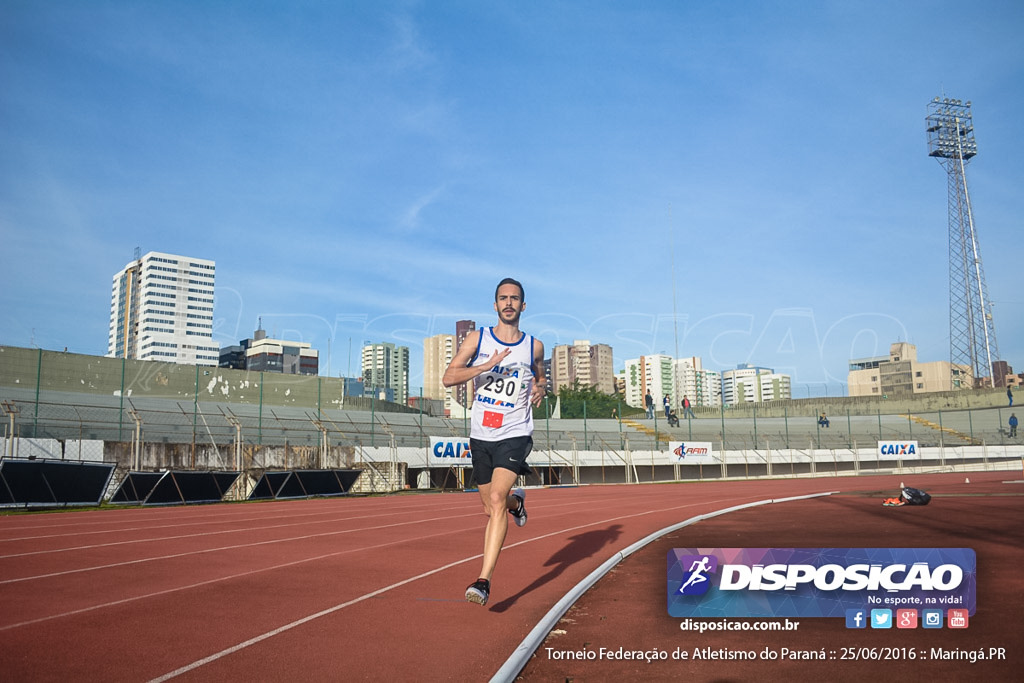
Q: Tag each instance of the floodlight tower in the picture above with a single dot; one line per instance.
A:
(972, 334)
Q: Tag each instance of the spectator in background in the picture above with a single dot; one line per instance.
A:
(687, 411)
(1009, 395)
(649, 404)
(668, 405)
(1013, 424)
(823, 420)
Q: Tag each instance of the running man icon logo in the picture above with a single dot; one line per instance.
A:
(696, 580)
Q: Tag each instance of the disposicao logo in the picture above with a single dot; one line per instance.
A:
(817, 582)
(696, 581)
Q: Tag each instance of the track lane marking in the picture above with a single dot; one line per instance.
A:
(366, 596)
(159, 539)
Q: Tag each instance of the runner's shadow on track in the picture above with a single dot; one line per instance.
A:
(579, 547)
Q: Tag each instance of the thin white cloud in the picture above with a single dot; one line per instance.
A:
(410, 219)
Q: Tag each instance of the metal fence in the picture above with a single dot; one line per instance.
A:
(81, 417)
(150, 414)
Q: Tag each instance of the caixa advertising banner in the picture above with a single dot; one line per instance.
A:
(692, 453)
(898, 450)
(817, 582)
(447, 451)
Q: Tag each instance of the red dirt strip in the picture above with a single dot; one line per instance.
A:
(328, 589)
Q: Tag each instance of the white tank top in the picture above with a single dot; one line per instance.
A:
(501, 396)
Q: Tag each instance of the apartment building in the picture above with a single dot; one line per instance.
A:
(702, 387)
(648, 373)
(161, 308)
(438, 352)
(901, 374)
(589, 364)
(750, 384)
(386, 366)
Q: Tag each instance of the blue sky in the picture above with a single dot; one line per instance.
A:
(747, 182)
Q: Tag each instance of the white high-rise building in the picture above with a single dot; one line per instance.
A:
(749, 384)
(648, 373)
(677, 377)
(161, 308)
(702, 387)
(386, 366)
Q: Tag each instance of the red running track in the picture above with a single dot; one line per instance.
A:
(352, 588)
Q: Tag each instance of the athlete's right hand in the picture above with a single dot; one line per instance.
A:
(496, 359)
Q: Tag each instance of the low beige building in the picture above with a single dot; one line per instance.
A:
(438, 352)
(901, 374)
(590, 364)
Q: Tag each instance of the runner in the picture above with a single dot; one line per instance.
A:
(507, 369)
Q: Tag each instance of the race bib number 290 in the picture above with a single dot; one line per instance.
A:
(499, 391)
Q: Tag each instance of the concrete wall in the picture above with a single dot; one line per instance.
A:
(159, 456)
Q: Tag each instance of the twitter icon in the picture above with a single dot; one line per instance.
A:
(881, 618)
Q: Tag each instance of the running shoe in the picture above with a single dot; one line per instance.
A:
(519, 514)
(479, 591)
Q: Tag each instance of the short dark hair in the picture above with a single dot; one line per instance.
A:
(511, 281)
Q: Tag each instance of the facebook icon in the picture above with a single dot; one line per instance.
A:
(856, 618)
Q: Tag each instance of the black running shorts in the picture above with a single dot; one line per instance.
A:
(509, 454)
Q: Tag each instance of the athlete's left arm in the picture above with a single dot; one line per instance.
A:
(540, 382)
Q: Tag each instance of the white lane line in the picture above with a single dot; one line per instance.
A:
(115, 603)
(330, 610)
(289, 539)
(177, 523)
(287, 627)
(157, 539)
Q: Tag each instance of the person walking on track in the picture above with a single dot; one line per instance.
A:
(506, 366)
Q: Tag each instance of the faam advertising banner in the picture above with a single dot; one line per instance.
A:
(898, 450)
(448, 451)
(692, 453)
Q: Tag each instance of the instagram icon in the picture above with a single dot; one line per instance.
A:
(931, 618)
